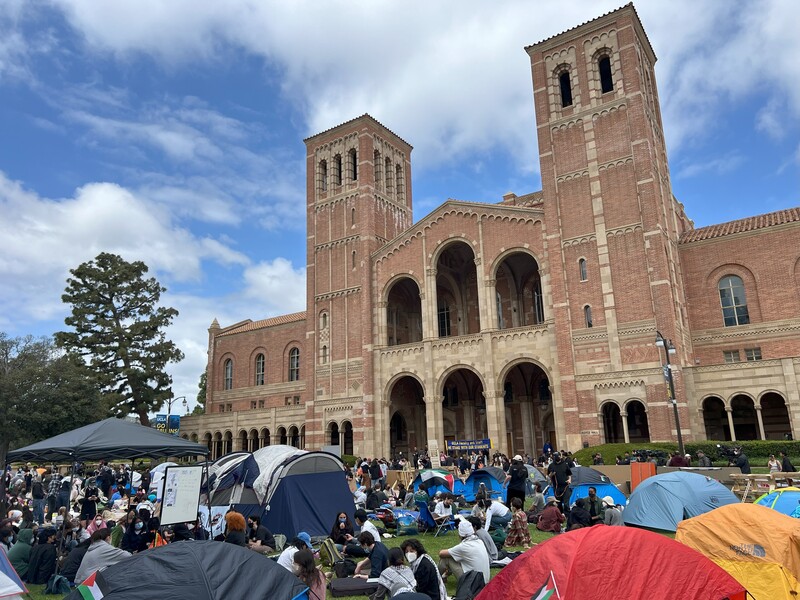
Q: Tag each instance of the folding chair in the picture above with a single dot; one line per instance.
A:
(427, 520)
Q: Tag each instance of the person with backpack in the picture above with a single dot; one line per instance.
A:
(469, 555)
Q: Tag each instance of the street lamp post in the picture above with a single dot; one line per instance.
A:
(669, 348)
(169, 408)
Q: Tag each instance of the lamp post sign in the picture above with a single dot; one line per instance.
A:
(161, 423)
(174, 424)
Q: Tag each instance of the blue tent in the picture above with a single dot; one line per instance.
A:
(784, 500)
(492, 477)
(433, 481)
(663, 501)
(585, 477)
(292, 489)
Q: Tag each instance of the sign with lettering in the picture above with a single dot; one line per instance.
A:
(160, 423)
(469, 444)
(174, 424)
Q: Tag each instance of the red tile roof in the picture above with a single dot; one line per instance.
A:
(252, 325)
(780, 217)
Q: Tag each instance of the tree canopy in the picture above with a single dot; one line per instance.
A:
(200, 407)
(43, 392)
(118, 326)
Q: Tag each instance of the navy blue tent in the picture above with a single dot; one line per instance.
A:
(492, 477)
(585, 477)
(663, 501)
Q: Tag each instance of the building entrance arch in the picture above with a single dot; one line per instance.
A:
(403, 313)
(463, 406)
(408, 426)
(613, 430)
(775, 416)
(745, 422)
(715, 419)
(527, 397)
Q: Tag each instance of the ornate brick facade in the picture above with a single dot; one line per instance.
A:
(531, 319)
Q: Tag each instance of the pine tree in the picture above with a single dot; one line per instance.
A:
(118, 327)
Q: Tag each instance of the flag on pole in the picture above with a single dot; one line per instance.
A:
(11, 586)
(548, 591)
(94, 587)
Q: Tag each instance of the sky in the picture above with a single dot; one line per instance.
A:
(171, 131)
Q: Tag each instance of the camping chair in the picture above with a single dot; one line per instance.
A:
(429, 523)
(280, 542)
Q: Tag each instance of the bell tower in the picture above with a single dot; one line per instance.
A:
(610, 213)
(358, 197)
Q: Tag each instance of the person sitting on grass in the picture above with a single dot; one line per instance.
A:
(353, 548)
(395, 579)
(301, 542)
(342, 528)
(497, 514)
(426, 573)
(307, 572)
(235, 529)
(579, 517)
(551, 517)
(483, 535)
(42, 563)
(469, 555)
(518, 534)
(259, 537)
(377, 557)
(100, 555)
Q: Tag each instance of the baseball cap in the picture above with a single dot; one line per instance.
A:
(517, 457)
(305, 537)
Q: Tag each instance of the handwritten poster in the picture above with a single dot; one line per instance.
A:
(181, 496)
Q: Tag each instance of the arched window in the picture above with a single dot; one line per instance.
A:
(352, 216)
(352, 164)
(324, 357)
(566, 89)
(323, 175)
(444, 320)
(337, 169)
(260, 362)
(398, 177)
(587, 315)
(582, 269)
(323, 320)
(228, 375)
(733, 301)
(499, 300)
(606, 79)
(388, 170)
(378, 164)
(294, 364)
(538, 303)
(353, 259)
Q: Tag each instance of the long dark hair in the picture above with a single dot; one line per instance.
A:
(308, 570)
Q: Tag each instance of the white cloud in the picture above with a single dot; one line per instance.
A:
(719, 166)
(276, 285)
(771, 119)
(44, 238)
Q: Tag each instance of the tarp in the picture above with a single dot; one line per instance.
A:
(108, 439)
(492, 477)
(199, 571)
(663, 501)
(588, 476)
(785, 500)
(613, 563)
(758, 546)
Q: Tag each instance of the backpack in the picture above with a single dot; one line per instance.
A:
(499, 536)
(328, 553)
(58, 585)
(469, 585)
(344, 568)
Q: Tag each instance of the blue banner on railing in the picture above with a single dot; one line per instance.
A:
(174, 424)
(469, 444)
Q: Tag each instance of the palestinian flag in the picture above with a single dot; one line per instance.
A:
(548, 590)
(94, 587)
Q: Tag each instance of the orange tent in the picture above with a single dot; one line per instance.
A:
(758, 546)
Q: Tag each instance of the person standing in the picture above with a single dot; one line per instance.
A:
(740, 460)
(39, 499)
(773, 464)
(516, 478)
(786, 464)
(702, 459)
(560, 476)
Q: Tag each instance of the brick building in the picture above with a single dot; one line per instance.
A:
(526, 320)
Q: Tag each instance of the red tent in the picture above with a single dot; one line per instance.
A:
(622, 563)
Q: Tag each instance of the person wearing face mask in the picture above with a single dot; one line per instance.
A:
(135, 538)
(429, 582)
(100, 555)
(260, 538)
(395, 579)
(342, 528)
(97, 523)
(595, 506)
(91, 496)
(306, 571)
(560, 476)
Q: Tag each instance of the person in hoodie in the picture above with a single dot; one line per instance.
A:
(20, 553)
(101, 554)
(42, 563)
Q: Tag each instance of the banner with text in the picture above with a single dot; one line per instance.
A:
(174, 424)
(469, 444)
(160, 423)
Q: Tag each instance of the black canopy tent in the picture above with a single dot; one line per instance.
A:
(108, 439)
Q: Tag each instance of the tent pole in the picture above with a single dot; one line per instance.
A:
(208, 502)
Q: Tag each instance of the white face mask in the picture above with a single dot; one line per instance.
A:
(411, 556)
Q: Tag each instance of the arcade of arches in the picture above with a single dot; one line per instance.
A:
(527, 398)
(745, 418)
(250, 440)
(629, 426)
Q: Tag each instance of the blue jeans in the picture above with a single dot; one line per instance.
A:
(498, 521)
(38, 510)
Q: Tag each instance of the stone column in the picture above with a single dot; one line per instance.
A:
(491, 306)
(496, 419)
(625, 435)
(760, 422)
(433, 416)
(729, 410)
(526, 416)
(469, 420)
(430, 321)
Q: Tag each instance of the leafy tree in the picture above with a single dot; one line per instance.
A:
(200, 407)
(43, 393)
(119, 328)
